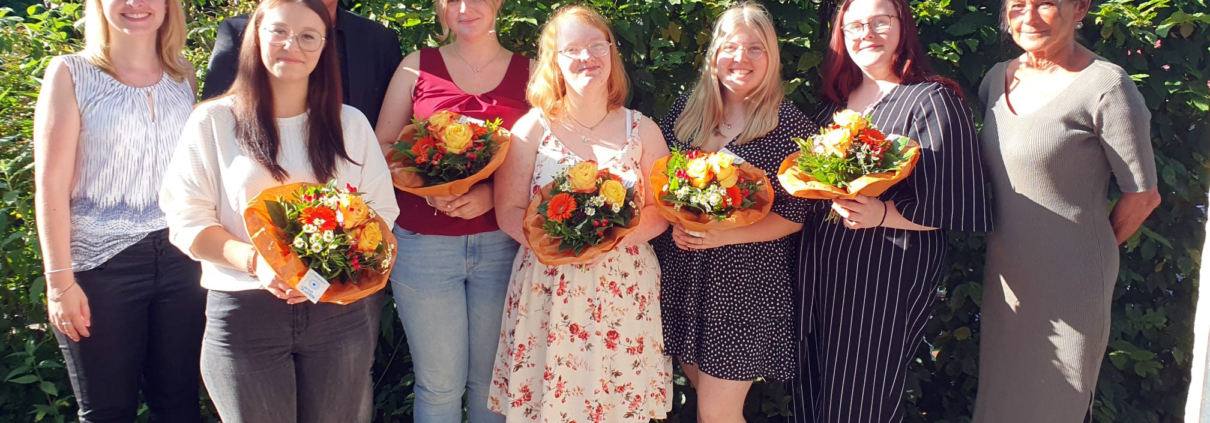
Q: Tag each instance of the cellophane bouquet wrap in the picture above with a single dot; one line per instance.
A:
(849, 157)
(583, 213)
(708, 191)
(446, 154)
(305, 227)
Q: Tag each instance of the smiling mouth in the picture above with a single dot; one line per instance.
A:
(136, 16)
(289, 60)
(740, 72)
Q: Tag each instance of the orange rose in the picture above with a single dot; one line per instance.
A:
(699, 172)
(438, 121)
(354, 211)
(368, 237)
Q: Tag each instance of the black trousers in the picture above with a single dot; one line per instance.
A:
(148, 314)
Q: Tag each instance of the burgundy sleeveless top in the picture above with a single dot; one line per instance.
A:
(435, 91)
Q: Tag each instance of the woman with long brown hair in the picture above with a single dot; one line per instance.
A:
(125, 306)
(268, 354)
(869, 282)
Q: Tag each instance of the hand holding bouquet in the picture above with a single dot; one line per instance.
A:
(323, 235)
(580, 215)
(846, 159)
(446, 154)
(708, 191)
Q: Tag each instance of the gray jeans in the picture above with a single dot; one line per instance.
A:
(264, 361)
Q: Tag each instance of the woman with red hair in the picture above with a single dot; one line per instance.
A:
(868, 283)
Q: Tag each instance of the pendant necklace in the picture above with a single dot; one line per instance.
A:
(474, 68)
(584, 137)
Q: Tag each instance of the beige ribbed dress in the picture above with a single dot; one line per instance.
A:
(1052, 260)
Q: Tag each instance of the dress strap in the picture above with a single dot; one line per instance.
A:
(545, 123)
(432, 63)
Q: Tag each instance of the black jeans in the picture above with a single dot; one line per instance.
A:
(148, 314)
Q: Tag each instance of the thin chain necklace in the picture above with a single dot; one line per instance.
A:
(474, 68)
(584, 137)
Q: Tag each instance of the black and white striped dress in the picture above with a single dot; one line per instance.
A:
(865, 294)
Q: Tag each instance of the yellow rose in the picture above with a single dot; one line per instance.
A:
(438, 121)
(723, 166)
(583, 176)
(699, 172)
(850, 119)
(837, 141)
(368, 237)
(354, 211)
(614, 192)
(457, 138)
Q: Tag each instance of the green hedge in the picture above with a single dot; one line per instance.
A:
(1161, 43)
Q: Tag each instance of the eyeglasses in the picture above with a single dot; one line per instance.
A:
(597, 49)
(753, 52)
(1044, 7)
(878, 24)
(309, 40)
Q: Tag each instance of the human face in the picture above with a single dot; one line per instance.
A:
(135, 17)
(742, 61)
(1040, 25)
(288, 61)
(586, 71)
(470, 18)
(870, 50)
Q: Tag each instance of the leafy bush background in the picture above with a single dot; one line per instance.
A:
(1162, 43)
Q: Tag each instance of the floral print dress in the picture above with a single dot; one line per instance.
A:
(583, 343)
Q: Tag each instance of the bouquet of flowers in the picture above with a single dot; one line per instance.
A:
(325, 235)
(446, 154)
(704, 191)
(850, 157)
(583, 213)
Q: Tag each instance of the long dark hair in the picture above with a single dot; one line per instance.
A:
(841, 76)
(255, 125)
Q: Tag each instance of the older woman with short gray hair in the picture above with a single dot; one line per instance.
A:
(1059, 120)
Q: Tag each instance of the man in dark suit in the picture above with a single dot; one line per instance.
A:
(369, 54)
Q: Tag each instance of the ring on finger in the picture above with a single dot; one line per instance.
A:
(66, 323)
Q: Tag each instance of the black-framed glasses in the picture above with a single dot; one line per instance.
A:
(597, 49)
(754, 51)
(879, 24)
(309, 40)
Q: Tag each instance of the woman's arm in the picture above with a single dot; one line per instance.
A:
(56, 139)
(867, 212)
(651, 223)
(772, 227)
(397, 104)
(1130, 212)
(511, 191)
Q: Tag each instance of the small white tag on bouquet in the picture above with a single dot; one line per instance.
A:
(735, 157)
(313, 286)
(465, 120)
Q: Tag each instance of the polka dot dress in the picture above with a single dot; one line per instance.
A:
(728, 309)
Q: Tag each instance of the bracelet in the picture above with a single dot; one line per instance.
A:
(62, 292)
(884, 213)
(51, 272)
(251, 265)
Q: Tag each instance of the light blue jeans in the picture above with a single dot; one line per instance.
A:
(450, 293)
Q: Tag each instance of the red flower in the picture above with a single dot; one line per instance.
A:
(681, 173)
(422, 146)
(560, 207)
(350, 188)
(574, 329)
(736, 196)
(322, 217)
(612, 335)
(472, 156)
(479, 131)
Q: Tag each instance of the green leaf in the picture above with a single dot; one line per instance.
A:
(1147, 368)
(963, 333)
(24, 380)
(49, 388)
(277, 213)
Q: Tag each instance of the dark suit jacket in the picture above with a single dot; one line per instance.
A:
(369, 54)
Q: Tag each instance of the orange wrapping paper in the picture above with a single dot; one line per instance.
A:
(704, 222)
(800, 184)
(546, 248)
(412, 182)
(289, 267)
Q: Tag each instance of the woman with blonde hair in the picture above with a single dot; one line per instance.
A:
(727, 306)
(453, 264)
(125, 305)
(581, 342)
